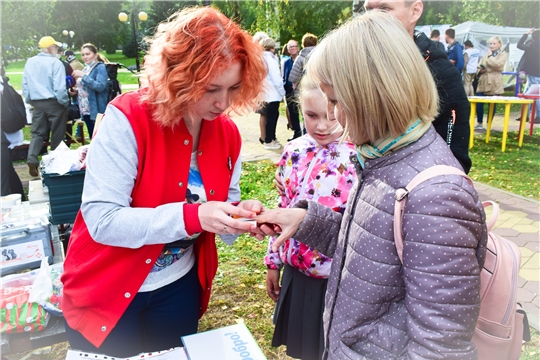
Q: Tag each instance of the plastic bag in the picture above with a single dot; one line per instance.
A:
(61, 160)
(47, 289)
(17, 313)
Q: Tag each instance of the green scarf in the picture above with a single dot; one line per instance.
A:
(388, 144)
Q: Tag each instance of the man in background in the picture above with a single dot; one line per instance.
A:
(44, 87)
(470, 57)
(436, 37)
(452, 122)
(455, 50)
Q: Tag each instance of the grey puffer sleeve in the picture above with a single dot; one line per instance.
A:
(320, 228)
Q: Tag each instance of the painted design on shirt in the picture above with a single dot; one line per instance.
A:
(195, 194)
(312, 172)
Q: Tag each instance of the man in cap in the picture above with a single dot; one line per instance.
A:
(72, 60)
(44, 87)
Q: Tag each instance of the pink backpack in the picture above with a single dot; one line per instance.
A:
(499, 329)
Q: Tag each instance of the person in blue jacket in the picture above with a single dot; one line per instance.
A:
(455, 50)
(91, 86)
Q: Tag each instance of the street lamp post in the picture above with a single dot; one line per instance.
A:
(69, 34)
(142, 17)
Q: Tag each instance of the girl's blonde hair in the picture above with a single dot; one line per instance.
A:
(378, 75)
(188, 51)
(306, 85)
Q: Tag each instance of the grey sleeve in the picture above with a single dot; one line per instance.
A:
(111, 171)
(320, 228)
(59, 83)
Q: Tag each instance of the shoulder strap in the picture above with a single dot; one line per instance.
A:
(402, 194)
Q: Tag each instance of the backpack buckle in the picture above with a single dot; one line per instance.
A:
(401, 194)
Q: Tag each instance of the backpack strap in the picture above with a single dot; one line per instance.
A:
(403, 193)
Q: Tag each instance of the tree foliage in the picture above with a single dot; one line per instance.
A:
(24, 22)
(285, 19)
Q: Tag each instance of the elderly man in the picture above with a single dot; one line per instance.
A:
(292, 101)
(452, 123)
(44, 87)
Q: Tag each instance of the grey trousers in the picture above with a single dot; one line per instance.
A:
(49, 116)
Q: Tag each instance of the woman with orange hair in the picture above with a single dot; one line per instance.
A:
(162, 179)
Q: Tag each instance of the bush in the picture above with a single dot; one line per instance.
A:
(129, 49)
(110, 49)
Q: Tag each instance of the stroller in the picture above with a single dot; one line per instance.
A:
(113, 85)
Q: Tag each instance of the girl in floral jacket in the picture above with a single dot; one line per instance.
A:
(314, 167)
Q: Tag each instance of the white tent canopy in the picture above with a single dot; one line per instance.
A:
(480, 33)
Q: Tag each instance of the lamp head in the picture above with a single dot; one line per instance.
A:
(122, 17)
(143, 16)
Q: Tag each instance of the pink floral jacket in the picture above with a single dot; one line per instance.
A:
(310, 171)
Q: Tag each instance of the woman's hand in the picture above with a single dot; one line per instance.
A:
(72, 91)
(225, 218)
(530, 31)
(272, 284)
(282, 222)
(77, 73)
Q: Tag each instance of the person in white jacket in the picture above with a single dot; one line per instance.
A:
(471, 56)
(273, 94)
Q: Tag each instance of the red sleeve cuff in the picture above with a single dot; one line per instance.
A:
(191, 218)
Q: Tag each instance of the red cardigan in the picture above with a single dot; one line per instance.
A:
(99, 280)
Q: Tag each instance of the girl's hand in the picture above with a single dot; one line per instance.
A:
(224, 218)
(272, 284)
(279, 185)
(282, 222)
(77, 73)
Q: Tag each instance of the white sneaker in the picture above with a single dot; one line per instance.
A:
(478, 127)
(272, 146)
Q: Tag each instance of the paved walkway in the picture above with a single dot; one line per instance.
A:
(519, 219)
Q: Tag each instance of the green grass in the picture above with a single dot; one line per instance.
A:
(516, 170)
(123, 77)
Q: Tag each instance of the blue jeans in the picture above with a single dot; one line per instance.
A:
(480, 109)
(533, 80)
(155, 320)
(89, 125)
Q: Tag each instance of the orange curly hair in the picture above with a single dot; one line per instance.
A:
(188, 51)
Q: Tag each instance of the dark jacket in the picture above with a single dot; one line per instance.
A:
(531, 57)
(377, 308)
(451, 97)
(287, 67)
